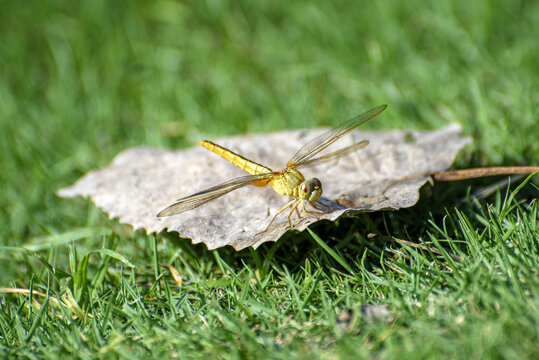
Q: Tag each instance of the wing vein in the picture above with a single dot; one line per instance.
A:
(195, 200)
(321, 142)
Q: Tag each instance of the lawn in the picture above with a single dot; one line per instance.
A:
(456, 276)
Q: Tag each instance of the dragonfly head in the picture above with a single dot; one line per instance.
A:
(310, 189)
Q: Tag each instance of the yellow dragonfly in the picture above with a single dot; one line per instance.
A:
(289, 181)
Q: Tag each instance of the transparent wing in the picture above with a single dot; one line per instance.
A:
(338, 153)
(321, 142)
(192, 201)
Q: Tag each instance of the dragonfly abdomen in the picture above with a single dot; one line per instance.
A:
(245, 164)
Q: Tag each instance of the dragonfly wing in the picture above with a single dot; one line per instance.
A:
(192, 201)
(321, 142)
(342, 152)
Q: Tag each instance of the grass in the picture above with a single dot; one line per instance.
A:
(82, 81)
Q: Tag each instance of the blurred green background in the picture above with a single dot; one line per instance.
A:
(80, 81)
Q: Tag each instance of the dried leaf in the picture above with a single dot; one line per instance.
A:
(347, 319)
(387, 174)
(175, 274)
(377, 313)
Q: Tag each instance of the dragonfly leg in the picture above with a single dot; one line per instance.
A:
(314, 206)
(280, 211)
(294, 207)
(315, 203)
(297, 211)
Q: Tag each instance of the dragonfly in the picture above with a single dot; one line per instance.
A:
(289, 181)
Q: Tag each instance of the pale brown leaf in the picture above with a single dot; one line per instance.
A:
(387, 174)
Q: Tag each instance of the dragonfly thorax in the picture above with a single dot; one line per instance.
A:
(310, 189)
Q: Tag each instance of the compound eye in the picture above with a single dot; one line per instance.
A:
(312, 185)
(310, 190)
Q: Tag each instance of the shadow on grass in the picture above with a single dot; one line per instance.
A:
(348, 235)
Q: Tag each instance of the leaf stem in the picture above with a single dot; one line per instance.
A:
(473, 173)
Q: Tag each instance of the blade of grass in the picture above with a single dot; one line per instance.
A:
(330, 251)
